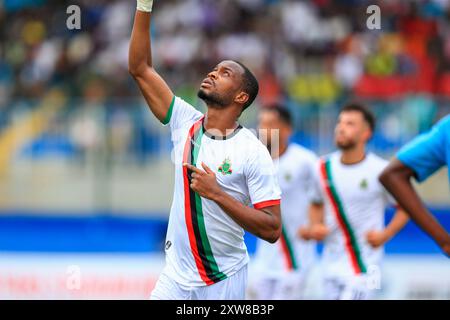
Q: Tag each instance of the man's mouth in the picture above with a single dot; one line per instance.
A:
(207, 82)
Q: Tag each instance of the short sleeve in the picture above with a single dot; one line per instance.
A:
(262, 182)
(389, 199)
(179, 113)
(426, 153)
(315, 192)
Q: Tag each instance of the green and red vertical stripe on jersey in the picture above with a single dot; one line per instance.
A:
(351, 243)
(198, 239)
(288, 251)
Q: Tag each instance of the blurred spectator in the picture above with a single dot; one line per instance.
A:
(307, 53)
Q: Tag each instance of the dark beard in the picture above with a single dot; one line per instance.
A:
(213, 100)
(347, 146)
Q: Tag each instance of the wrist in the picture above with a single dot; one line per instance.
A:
(144, 5)
(387, 235)
(307, 233)
(217, 196)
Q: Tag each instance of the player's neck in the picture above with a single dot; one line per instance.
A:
(218, 120)
(353, 156)
(282, 150)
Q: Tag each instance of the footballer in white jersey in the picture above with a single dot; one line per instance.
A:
(204, 244)
(225, 181)
(279, 270)
(352, 225)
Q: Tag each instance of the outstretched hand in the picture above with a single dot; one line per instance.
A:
(204, 182)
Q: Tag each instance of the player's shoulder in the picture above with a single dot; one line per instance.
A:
(444, 123)
(250, 144)
(300, 150)
(376, 161)
(248, 136)
(330, 157)
(179, 102)
(301, 154)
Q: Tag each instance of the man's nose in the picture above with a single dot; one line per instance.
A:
(212, 75)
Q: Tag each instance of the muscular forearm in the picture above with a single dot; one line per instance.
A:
(265, 224)
(155, 90)
(396, 179)
(139, 57)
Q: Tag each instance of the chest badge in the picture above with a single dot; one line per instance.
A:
(287, 177)
(225, 168)
(364, 184)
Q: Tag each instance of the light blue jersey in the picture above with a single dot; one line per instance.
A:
(429, 152)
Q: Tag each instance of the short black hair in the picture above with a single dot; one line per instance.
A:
(250, 85)
(283, 113)
(368, 115)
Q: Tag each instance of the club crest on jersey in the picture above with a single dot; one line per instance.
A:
(363, 185)
(225, 168)
(287, 176)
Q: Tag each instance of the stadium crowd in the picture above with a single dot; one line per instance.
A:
(305, 53)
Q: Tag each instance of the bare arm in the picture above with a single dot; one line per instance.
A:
(396, 178)
(154, 89)
(378, 238)
(397, 223)
(264, 223)
(316, 213)
(316, 229)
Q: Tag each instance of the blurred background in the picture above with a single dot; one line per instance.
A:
(85, 172)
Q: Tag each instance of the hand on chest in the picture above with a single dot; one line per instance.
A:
(224, 162)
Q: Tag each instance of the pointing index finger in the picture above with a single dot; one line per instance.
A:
(193, 168)
(207, 169)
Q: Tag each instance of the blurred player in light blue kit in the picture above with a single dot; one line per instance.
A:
(420, 158)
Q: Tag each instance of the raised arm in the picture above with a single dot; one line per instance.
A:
(155, 90)
(396, 178)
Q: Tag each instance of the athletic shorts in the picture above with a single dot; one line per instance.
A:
(289, 286)
(349, 288)
(232, 288)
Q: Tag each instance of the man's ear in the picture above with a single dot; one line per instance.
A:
(242, 98)
(368, 134)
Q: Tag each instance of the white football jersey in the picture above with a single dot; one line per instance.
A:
(204, 244)
(290, 253)
(355, 203)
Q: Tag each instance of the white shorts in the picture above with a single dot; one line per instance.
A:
(232, 288)
(289, 286)
(349, 288)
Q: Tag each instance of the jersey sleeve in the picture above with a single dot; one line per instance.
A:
(315, 192)
(262, 182)
(389, 200)
(427, 153)
(179, 113)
